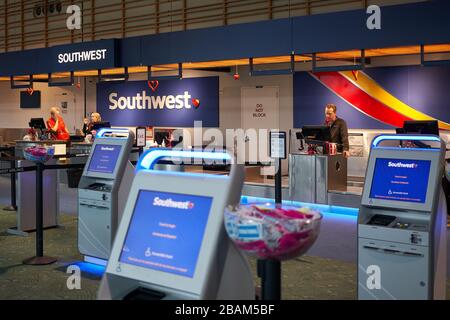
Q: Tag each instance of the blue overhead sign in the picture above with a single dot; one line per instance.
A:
(102, 54)
(169, 102)
(85, 56)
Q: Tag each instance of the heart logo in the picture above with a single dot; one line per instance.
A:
(236, 76)
(355, 74)
(30, 91)
(153, 84)
(196, 103)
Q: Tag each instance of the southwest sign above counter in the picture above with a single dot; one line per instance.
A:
(102, 54)
(164, 103)
(85, 56)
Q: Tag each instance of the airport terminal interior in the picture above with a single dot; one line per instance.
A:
(222, 149)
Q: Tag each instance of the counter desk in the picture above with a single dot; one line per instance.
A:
(71, 155)
(313, 177)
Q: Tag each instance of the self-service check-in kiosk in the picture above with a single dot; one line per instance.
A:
(171, 242)
(102, 192)
(402, 223)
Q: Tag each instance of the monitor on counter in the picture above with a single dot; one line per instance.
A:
(104, 158)
(37, 123)
(99, 125)
(421, 127)
(166, 231)
(316, 133)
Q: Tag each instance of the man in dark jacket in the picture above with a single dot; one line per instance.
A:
(338, 128)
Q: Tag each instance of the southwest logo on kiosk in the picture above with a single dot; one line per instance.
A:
(107, 149)
(402, 165)
(169, 203)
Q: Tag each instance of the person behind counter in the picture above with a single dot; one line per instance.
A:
(338, 128)
(88, 129)
(56, 126)
(95, 118)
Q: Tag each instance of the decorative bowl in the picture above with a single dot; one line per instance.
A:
(39, 153)
(266, 231)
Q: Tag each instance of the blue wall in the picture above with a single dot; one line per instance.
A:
(424, 88)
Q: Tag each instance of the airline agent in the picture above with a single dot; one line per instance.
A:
(56, 126)
(338, 128)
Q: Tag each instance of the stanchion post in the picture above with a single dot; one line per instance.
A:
(39, 259)
(271, 280)
(271, 269)
(39, 211)
(13, 206)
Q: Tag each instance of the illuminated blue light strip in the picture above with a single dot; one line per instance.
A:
(151, 157)
(111, 130)
(323, 208)
(411, 149)
(187, 174)
(89, 268)
(97, 261)
(380, 138)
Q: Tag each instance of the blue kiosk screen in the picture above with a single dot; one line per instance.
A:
(400, 180)
(166, 232)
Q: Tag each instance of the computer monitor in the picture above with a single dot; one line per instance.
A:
(161, 136)
(99, 125)
(169, 233)
(166, 231)
(104, 158)
(421, 127)
(316, 133)
(400, 180)
(37, 123)
(76, 138)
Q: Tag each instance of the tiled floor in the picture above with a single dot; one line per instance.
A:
(327, 272)
(305, 278)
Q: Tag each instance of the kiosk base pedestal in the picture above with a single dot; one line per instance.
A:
(39, 261)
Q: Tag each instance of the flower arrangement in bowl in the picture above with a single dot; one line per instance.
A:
(274, 232)
(39, 153)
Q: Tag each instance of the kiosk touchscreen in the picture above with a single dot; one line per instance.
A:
(171, 242)
(402, 234)
(107, 173)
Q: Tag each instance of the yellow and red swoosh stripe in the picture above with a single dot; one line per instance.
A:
(367, 96)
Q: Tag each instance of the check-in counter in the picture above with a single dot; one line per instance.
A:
(311, 177)
(26, 185)
(26, 193)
